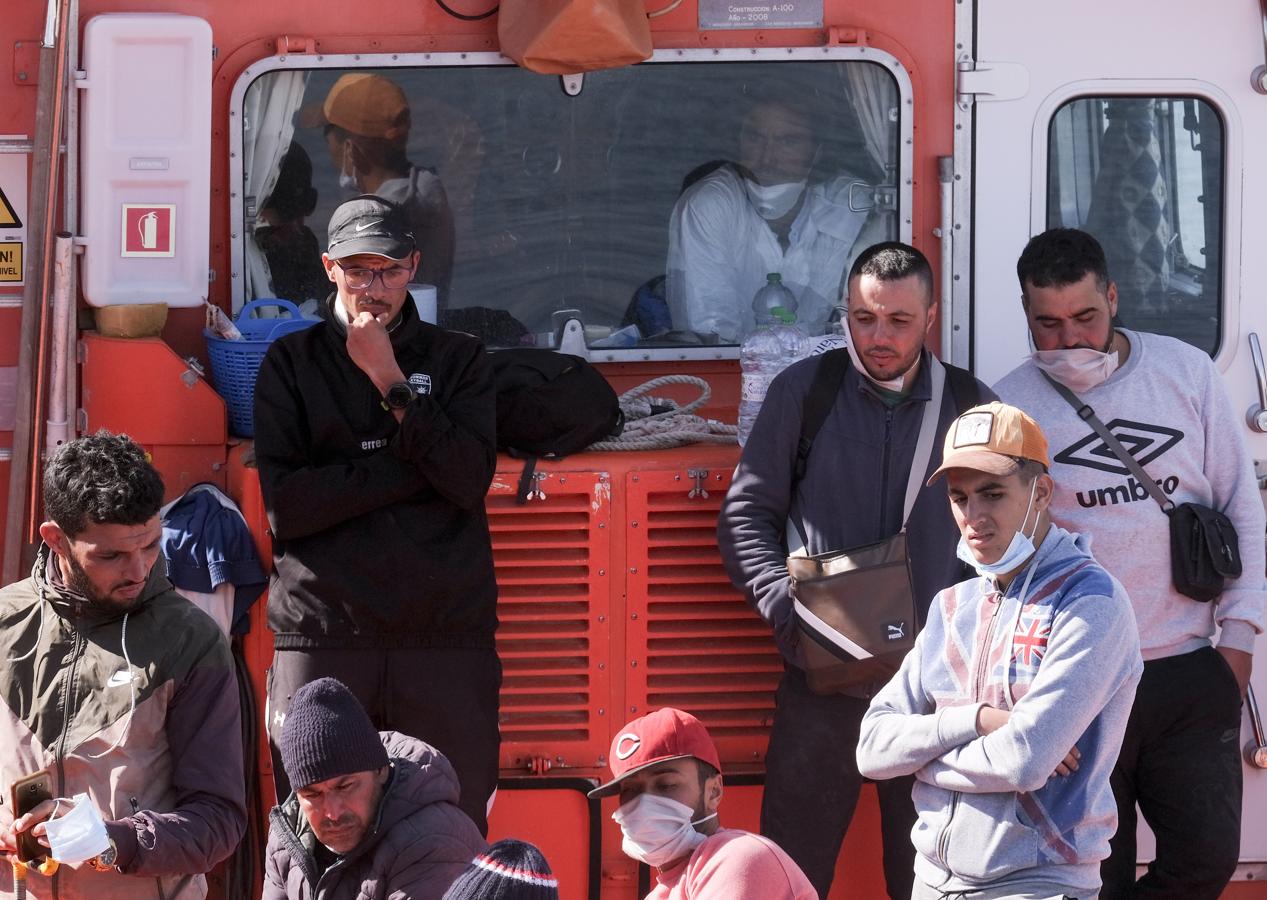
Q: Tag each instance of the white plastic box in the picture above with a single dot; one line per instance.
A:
(146, 150)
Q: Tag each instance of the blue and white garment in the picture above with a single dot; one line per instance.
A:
(1065, 660)
(210, 552)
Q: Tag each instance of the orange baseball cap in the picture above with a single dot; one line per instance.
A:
(369, 105)
(991, 438)
(657, 737)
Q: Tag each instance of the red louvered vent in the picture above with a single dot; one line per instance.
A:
(706, 651)
(552, 561)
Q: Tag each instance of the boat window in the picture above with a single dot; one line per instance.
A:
(1145, 176)
(650, 201)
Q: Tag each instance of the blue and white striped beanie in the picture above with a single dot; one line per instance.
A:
(510, 870)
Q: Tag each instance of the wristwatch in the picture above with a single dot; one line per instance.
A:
(399, 395)
(104, 861)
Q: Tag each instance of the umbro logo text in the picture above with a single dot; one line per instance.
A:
(1124, 493)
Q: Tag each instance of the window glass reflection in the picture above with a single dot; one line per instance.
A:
(1145, 176)
(653, 204)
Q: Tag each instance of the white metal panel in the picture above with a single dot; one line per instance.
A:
(1088, 47)
(147, 118)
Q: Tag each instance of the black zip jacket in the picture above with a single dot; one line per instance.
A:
(380, 538)
(852, 493)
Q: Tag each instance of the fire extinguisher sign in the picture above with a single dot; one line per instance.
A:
(149, 229)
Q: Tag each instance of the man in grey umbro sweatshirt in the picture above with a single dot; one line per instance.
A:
(1010, 708)
(1165, 402)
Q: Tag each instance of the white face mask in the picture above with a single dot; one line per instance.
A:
(347, 176)
(894, 384)
(1019, 549)
(79, 835)
(1079, 369)
(773, 201)
(658, 830)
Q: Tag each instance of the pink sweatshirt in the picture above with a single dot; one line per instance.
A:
(734, 865)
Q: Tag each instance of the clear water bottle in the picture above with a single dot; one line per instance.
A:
(835, 337)
(774, 345)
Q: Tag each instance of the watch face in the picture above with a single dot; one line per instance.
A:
(399, 395)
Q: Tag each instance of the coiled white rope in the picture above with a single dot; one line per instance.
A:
(657, 423)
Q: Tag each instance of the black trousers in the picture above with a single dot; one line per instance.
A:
(445, 697)
(812, 784)
(1181, 762)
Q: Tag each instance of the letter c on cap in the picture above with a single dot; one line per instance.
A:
(624, 751)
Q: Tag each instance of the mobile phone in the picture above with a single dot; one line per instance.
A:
(27, 793)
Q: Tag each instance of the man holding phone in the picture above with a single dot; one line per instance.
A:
(120, 730)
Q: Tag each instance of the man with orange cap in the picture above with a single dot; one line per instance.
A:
(666, 771)
(1010, 709)
(367, 132)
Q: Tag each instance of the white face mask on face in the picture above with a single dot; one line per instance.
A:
(658, 830)
(1019, 549)
(1079, 369)
(894, 384)
(347, 176)
(773, 201)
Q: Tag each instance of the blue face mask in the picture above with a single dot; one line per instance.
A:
(1018, 550)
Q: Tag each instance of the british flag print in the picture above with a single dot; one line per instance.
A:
(1029, 643)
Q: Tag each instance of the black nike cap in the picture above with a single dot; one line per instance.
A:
(371, 225)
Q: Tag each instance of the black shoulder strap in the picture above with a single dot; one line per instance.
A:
(828, 378)
(965, 391)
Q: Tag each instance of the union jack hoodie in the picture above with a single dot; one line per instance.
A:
(1065, 660)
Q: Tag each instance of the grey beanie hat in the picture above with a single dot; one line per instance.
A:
(327, 733)
(509, 870)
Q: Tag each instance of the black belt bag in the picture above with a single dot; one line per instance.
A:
(855, 609)
(1204, 548)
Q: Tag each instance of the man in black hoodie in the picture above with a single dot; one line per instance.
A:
(374, 436)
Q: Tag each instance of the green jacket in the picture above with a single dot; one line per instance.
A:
(172, 791)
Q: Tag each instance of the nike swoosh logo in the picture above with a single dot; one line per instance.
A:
(120, 678)
(363, 226)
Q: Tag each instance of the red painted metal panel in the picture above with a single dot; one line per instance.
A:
(552, 558)
(522, 813)
(691, 639)
(141, 387)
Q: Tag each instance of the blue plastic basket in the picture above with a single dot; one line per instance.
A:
(234, 364)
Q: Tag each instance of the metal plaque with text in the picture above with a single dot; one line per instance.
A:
(760, 13)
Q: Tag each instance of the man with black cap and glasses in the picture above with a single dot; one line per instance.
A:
(374, 437)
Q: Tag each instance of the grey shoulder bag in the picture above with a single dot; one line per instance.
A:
(1204, 548)
(855, 609)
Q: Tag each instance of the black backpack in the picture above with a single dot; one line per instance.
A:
(550, 405)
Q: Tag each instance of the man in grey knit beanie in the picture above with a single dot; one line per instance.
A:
(381, 805)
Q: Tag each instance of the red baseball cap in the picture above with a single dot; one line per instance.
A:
(655, 738)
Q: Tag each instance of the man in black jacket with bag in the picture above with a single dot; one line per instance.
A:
(374, 436)
(851, 493)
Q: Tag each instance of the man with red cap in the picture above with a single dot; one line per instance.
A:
(666, 771)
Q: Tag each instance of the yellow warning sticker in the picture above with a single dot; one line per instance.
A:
(9, 217)
(10, 262)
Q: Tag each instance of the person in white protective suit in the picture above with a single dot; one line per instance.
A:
(761, 215)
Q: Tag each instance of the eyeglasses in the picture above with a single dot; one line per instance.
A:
(393, 278)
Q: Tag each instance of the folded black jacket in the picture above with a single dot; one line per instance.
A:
(380, 538)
